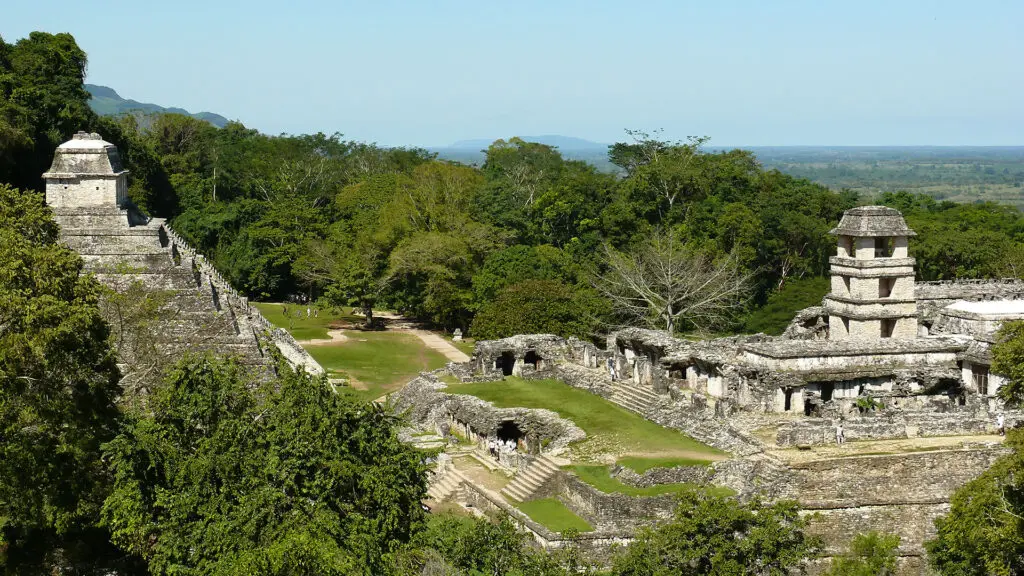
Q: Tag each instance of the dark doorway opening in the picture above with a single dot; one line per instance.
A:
(509, 430)
(826, 391)
(507, 361)
(532, 359)
(789, 400)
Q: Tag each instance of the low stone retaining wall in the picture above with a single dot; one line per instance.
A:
(597, 544)
(658, 476)
(430, 405)
(613, 512)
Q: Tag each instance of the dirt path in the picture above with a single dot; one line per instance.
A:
(334, 337)
(435, 342)
(399, 323)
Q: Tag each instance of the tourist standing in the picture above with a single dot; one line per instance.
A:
(611, 368)
(1001, 424)
(840, 434)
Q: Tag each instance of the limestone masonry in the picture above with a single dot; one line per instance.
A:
(86, 187)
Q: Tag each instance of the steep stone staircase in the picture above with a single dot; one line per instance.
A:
(444, 485)
(527, 482)
(635, 398)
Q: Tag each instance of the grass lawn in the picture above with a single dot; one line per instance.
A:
(609, 428)
(465, 345)
(377, 362)
(300, 327)
(554, 515)
(600, 477)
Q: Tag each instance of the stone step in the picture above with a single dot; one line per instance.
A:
(443, 487)
(127, 262)
(640, 396)
(629, 403)
(528, 481)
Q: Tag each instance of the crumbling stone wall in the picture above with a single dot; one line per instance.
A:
(657, 476)
(429, 405)
(613, 512)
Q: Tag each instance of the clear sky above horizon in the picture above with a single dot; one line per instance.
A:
(858, 72)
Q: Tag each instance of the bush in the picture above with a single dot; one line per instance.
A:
(538, 307)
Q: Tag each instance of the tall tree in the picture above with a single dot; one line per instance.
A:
(667, 286)
(984, 531)
(719, 536)
(281, 477)
(58, 385)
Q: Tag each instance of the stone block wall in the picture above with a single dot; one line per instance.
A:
(899, 479)
(613, 512)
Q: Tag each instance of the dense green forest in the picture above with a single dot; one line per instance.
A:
(216, 472)
(353, 224)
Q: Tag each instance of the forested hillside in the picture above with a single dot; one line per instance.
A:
(317, 216)
(107, 102)
(216, 472)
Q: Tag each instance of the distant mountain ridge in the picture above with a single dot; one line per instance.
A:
(106, 101)
(562, 142)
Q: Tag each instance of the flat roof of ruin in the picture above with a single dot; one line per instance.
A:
(991, 309)
(817, 348)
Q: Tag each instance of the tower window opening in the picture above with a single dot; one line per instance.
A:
(846, 282)
(885, 286)
(883, 247)
(846, 245)
(888, 325)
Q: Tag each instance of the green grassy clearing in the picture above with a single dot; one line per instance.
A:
(551, 513)
(466, 345)
(609, 428)
(641, 465)
(600, 477)
(378, 362)
(301, 327)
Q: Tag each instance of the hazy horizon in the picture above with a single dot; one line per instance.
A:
(745, 73)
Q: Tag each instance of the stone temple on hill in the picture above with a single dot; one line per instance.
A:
(87, 189)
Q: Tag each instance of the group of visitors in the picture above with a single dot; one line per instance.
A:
(310, 312)
(497, 446)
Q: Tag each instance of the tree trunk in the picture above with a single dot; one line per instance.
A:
(368, 313)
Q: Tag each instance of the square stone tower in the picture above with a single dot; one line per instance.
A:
(872, 295)
(86, 173)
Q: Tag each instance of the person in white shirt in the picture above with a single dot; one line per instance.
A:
(1001, 424)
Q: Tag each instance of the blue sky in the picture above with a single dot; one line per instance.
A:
(858, 72)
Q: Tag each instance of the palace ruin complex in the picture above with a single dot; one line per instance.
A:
(887, 358)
